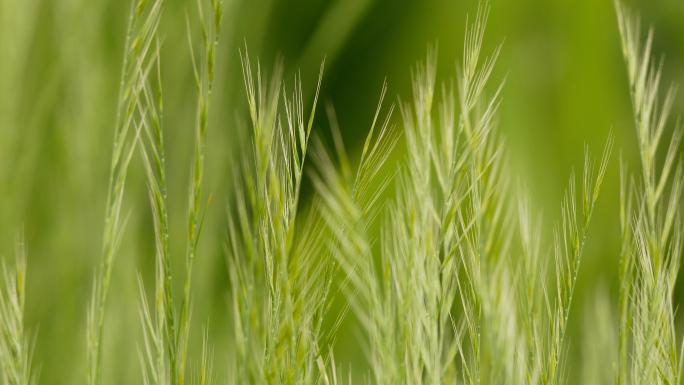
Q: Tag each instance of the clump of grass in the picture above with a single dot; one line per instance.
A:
(652, 235)
(166, 333)
(456, 291)
(142, 26)
(281, 274)
(444, 304)
(405, 303)
(15, 344)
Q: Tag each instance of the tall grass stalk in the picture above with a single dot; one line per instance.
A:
(166, 333)
(649, 272)
(142, 26)
(203, 81)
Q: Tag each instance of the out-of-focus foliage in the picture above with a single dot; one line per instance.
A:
(60, 64)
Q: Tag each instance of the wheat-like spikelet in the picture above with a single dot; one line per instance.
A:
(15, 343)
(281, 272)
(166, 331)
(652, 235)
(138, 59)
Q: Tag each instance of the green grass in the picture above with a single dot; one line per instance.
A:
(422, 242)
(15, 342)
(443, 304)
(651, 261)
(142, 26)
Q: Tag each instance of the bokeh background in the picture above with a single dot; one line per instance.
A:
(59, 69)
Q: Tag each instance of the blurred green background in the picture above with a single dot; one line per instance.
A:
(59, 71)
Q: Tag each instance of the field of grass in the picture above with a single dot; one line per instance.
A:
(279, 192)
